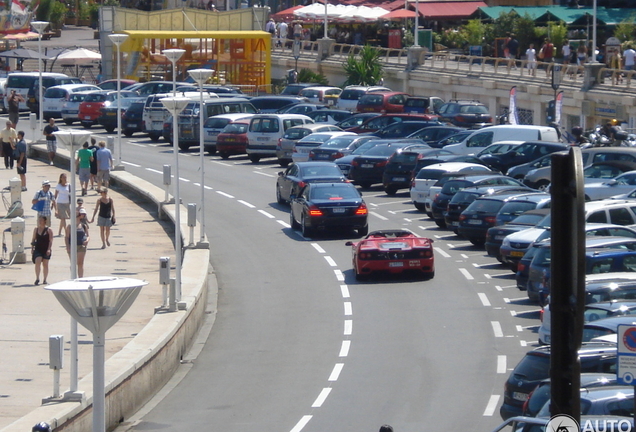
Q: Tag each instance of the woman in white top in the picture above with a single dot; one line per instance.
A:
(531, 57)
(63, 199)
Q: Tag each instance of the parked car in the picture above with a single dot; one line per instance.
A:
(330, 116)
(326, 95)
(337, 147)
(300, 108)
(382, 102)
(521, 204)
(423, 104)
(604, 401)
(393, 252)
(497, 234)
(379, 122)
(302, 147)
(328, 206)
(535, 367)
(605, 326)
(297, 175)
(214, 125)
(350, 96)
(526, 152)
(90, 109)
(404, 129)
(266, 129)
(355, 120)
(55, 97)
(480, 139)
(285, 145)
(70, 109)
(540, 176)
(469, 114)
(368, 168)
(273, 103)
(604, 154)
(520, 171)
(108, 118)
(433, 135)
(111, 84)
(294, 89)
(622, 184)
(232, 140)
(398, 173)
(132, 119)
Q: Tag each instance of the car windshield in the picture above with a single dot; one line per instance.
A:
(456, 138)
(321, 170)
(429, 174)
(592, 313)
(77, 97)
(314, 138)
(334, 192)
(454, 186)
(296, 133)
(351, 94)
(382, 150)
(405, 157)
(533, 368)
(542, 258)
(364, 148)
(340, 142)
(235, 128)
(371, 100)
(485, 206)
(527, 219)
(96, 97)
(216, 123)
(516, 208)
(473, 109)
(464, 198)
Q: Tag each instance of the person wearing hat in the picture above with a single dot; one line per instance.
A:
(82, 240)
(44, 202)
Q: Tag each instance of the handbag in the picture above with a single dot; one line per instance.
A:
(39, 206)
(541, 54)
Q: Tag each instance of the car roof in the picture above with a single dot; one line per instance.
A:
(594, 205)
(490, 189)
(613, 305)
(534, 197)
(311, 126)
(587, 348)
(321, 88)
(595, 252)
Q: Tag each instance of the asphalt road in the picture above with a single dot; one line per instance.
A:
(299, 345)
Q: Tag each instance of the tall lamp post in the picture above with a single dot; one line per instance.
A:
(97, 303)
(39, 27)
(73, 139)
(416, 33)
(174, 55)
(201, 76)
(117, 39)
(175, 105)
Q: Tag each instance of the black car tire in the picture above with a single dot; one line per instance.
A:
(283, 162)
(279, 199)
(420, 207)
(440, 223)
(306, 231)
(391, 190)
(154, 137)
(109, 129)
(128, 133)
(365, 185)
(362, 277)
(292, 221)
(542, 185)
(212, 152)
(224, 155)
(184, 147)
(476, 241)
(363, 231)
(68, 122)
(254, 159)
(87, 125)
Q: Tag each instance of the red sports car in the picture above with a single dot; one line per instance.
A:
(393, 251)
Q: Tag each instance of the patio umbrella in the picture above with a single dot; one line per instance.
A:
(286, 14)
(21, 53)
(79, 56)
(399, 14)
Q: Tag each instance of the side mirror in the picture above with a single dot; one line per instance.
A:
(281, 173)
(349, 243)
(292, 197)
(612, 182)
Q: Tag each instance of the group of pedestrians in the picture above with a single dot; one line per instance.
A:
(48, 203)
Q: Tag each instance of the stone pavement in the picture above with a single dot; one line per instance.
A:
(30, 314)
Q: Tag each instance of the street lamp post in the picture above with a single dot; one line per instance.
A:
(174, 55)
(201, 76)
(175, 105)
(39, 27)
(73, 139)
(97, 303)
(416, 33)
(117, 39)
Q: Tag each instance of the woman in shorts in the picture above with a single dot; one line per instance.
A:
(41, 245)
(63, 202)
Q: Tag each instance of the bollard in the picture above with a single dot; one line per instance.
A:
(56, 360)
(167, 180)
(17, 236)
(33, 124)
(192, 221)
(16, 209)
(164, 279)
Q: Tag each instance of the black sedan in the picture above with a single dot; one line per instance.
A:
(108, 118)
(329, 206)
(526, 220)
(297, 175)
(132, 119)
(356, 120)
(338, 147)
(404, 129)
(368, 168)
(522, 154)
(433, 135)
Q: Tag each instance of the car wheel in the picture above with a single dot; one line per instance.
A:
(87, 125)
(476, 242)
(543, 185)
(365, 185)
(154, 137)
(362, 277)
(306, 231)
(390, 190)
(292, 221)
(363, 231)
(184, 147)
(421, 207)
(430, 275)
(224, 155)
(128, 134)
(68, 122)
(212, 152)
(283, 163)
(254, 159)
(110, 129)
(279, 199)
(440, 223)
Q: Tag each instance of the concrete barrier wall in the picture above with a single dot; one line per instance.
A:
(143, 366)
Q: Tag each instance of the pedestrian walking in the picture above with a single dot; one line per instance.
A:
(629, 58)
(21, 159)
(51, 139)
(270, 27)
(513, 49)
(566, 50)
(8, 136)
(282, 34)
(83, 162)
(13, 103)
(531, 59)
(105, 209)
(93, 147)
(581, 55)
(298, 30)
(62, 202)
(104, 164)
(83, 238)
(44, 201)
(546, 55)
(41, 247)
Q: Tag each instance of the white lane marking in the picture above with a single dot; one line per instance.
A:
(519, 328)
(488, 276)
(318, 248)
(513, 313)
(506, 299)
(224, 194)
(344, 289)
(484, 299)
(496, 328)
(245, 203)
(321, 397)
(348, 310)
(264, 213)
(339, 276)
(330, 261)
(492, 405)
(208, 187)
(476, 265)
(379, 216)
(442, 252)
(335, 373)
(463, 255)
(466, 274)
(523, 343)
(344, 349)
(264, 174)
(221, 163)
(498, 288)
(283, 223)
(348, 327)
(154, 170)
(501, 364)
(131, 164)
(186, 180)
(301, 423)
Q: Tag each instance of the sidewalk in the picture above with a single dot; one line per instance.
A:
(31, 314)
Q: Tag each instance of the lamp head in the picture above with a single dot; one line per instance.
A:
(201, 75)
(39, 26)
(118, 38)
(173, 54)
(175, 104)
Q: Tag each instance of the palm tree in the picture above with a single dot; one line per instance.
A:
(365, 68)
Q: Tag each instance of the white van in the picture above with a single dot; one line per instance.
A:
(482, 138)
(53, 98)
(214, 125)
(26, 85)
(265, 131)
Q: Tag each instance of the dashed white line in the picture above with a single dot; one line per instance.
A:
(476, 265)
(344, 289)
(463, 255)
(339, 276)
(496, 328)
(283, 223)
(492, 405)
(208, 187)
(131, 164)
(154, 170)
(519, 328)
(224, 194)
(221, 163)
(501, 364)
(344, 349)
(523, 343)
(186, 180)
(330, 261)
(442, 252)
(321, 397)
(269, 215)
(484, 299)
(379, 216)
(348, 327)
(348, 310)
(245, 203)
(318, 248)
(301, 423)
(466, 274)
(264, 174)
(498, 288)
(335, 373)
(513, 313)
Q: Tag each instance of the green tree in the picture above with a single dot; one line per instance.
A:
(365, 68)
(308, 76)
(474, 32)
(524, 31)
(44, 10)
(625, 30)
(558, 35)
(505, 24)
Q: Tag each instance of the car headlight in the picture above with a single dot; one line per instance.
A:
(505, 242)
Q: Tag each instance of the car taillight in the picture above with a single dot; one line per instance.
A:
(426, 253)
(311, 154)
(301, 184)
(337, 155)
(462, 217)
(314, 211)
(362, 210)
(381, 164)
(435, 197)
(364, 255)
(412, 183)
(354, 163)
(490, 219)
(460, 118)
(541, 314)
(521, 267)
(279, 145)
(489, 119)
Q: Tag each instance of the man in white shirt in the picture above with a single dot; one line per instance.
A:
(629, 55)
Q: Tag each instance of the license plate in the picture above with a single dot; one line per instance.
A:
(396, 264)
(338, 210)
(229, 140)
(474, 222)
(212, 133)
(111, 114)
(517, 254)
(366, 166)
(455, 223)
(262, 139)
(157, 125)
(499, 237)
(132, 125)
(399, 179)
(322, 156)
(187, 131)
(520, 396)
(87, 117)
